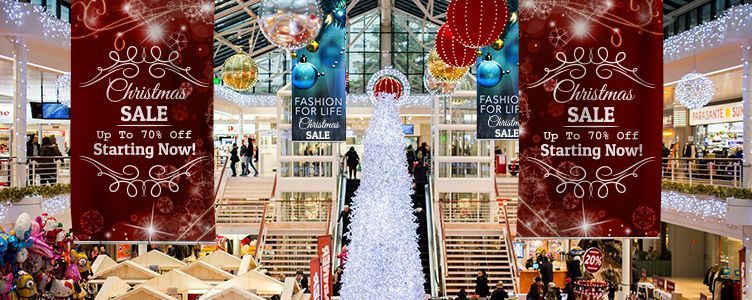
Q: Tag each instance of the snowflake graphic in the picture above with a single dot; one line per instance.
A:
(186, 88)
(92, 222)
(535, 9)
(533, 152)
(643, 217)
(571, 201)
(177, 41)
(198, 11)
(165, 205)
(559, 37)
(524, 109)
(569, 168)
(135, 9)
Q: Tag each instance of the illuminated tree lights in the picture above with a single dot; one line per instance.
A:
(384, 260)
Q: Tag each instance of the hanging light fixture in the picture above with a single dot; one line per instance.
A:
(694, 89)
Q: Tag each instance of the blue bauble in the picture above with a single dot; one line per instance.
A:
(489, 73)
(304, 75)
(340, 14)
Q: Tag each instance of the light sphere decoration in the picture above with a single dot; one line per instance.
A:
(441, 71)
(384, 81)
(694, 90)
(438, 88)
(477, 23)
(452, 52)
(489, 72)
(240, 72)
(290, 24)
(63, 88)
(304, 74)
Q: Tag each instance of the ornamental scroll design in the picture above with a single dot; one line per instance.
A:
(129, 66)
(576, 177)
(159, 177)
(606, 67)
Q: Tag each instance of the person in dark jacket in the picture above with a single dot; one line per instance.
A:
(344, 217)
(573, 269)
(302, 281)
(47, 167)
(234, 159)
(462, 295)
(536, 290)
(481, 284)
(546, 271)
(353, 160)
(410, 153)
(569, 289)
(499, 293)
(243, 154)
(421, 177)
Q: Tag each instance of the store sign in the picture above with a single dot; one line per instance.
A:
(325, 256)
(314, 281)
(590, 120)
(498, 100)
(592, 261)
(143, 158)
(668, 120)
(724, 113)
(318, 84)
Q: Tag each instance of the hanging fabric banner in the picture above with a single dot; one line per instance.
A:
(497, 79)
(318, 81)
(590, 118)
(324, 253)
(143, 161)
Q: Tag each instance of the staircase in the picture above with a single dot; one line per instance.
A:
(507, 189)
(470, 250)
(287, 251)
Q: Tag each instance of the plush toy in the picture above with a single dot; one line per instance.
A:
(51, 229)
(62, 289)
(22, 227)
(6, 286)
(26, 288)
(62, 242)
(83, 264)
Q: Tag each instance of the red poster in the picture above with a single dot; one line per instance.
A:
(670, 286)
(142, 164)
(591, 76)
(314, 282)
(325, 256)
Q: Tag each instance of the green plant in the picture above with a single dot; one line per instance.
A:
(709, 190)
(15, 194)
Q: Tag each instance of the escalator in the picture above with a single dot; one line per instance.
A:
(419, 201)
(351, 186)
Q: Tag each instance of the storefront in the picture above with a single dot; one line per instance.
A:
(717, 130)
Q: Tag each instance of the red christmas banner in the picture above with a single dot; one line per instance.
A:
(142, 164)
(324, 254)
(590, 118)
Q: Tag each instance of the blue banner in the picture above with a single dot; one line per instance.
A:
(318, 77)
(498, 87)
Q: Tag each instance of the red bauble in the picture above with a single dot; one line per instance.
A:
(452, 52)
(389, 85)
(477, 23)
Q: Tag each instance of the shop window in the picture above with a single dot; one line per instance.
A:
(303, 207)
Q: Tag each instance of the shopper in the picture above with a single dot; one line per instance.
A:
(481, 284)
(421, 177)
(344, 217)
(665, 153)
(337, 280)
(423, 153)
(574, 270)
(569, 289)
(353, 160)
(546, 271)
(536, 290)
(302, 281)
(244, 159)
(499, 293)
(234, 159)
(47, 167)
(410, 153)
(552, 292)
(613, 279)
(33, 150)
(342, 257)
(462, 295)
(252, 155)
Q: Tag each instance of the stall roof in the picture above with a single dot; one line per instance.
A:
(112, 287)
(145, 293)
(254, 280)
(128, 271)
(206, 272)
(101, 263)
(232, 293)
(222, 260)
(158, 258)
(179, 280)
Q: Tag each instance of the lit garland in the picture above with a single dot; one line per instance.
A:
(729, 26)
(705, 208)
(56, 204)
(63, 88)
(694, 90)
(14, 12)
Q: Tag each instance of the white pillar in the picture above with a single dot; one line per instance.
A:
(747, 103)
(242, 124)
(747, 267)
(20, 58)
(386, 36)
(142, 249)
(626, 267)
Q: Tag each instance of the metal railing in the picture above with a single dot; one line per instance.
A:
(308, 210)
(261, 240)
(510, 250)
(434, 236)
(47, 170)
(707, 171)
(442, 242)
(466, 211)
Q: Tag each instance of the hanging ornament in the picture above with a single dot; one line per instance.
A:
(389, 81)
(438, 88)
(290, 24)
(498, 44)
(240, 72)
(63, 88)
(452, 52)
(293, 55)
(441, 71)
(694, 90)
(489, 72)
(304, 74)
(478, 53)
(477, 23)
(389, 85)
(313, 47)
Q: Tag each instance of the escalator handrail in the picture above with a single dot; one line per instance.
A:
(510, 252)
(336, 229)
(435, 274)
(441, 234)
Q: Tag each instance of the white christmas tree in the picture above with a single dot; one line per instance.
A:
(384, 260)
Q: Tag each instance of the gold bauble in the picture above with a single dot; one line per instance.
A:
(313, 47)
(441, 71)
(498, 44)
(478, 53)
(240, 72)
(293, 55)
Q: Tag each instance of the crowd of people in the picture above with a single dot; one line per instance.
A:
(247, 155)
(42, 159)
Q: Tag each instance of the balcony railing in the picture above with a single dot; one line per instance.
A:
(308, 210)
(466, 211)
(708, 171)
